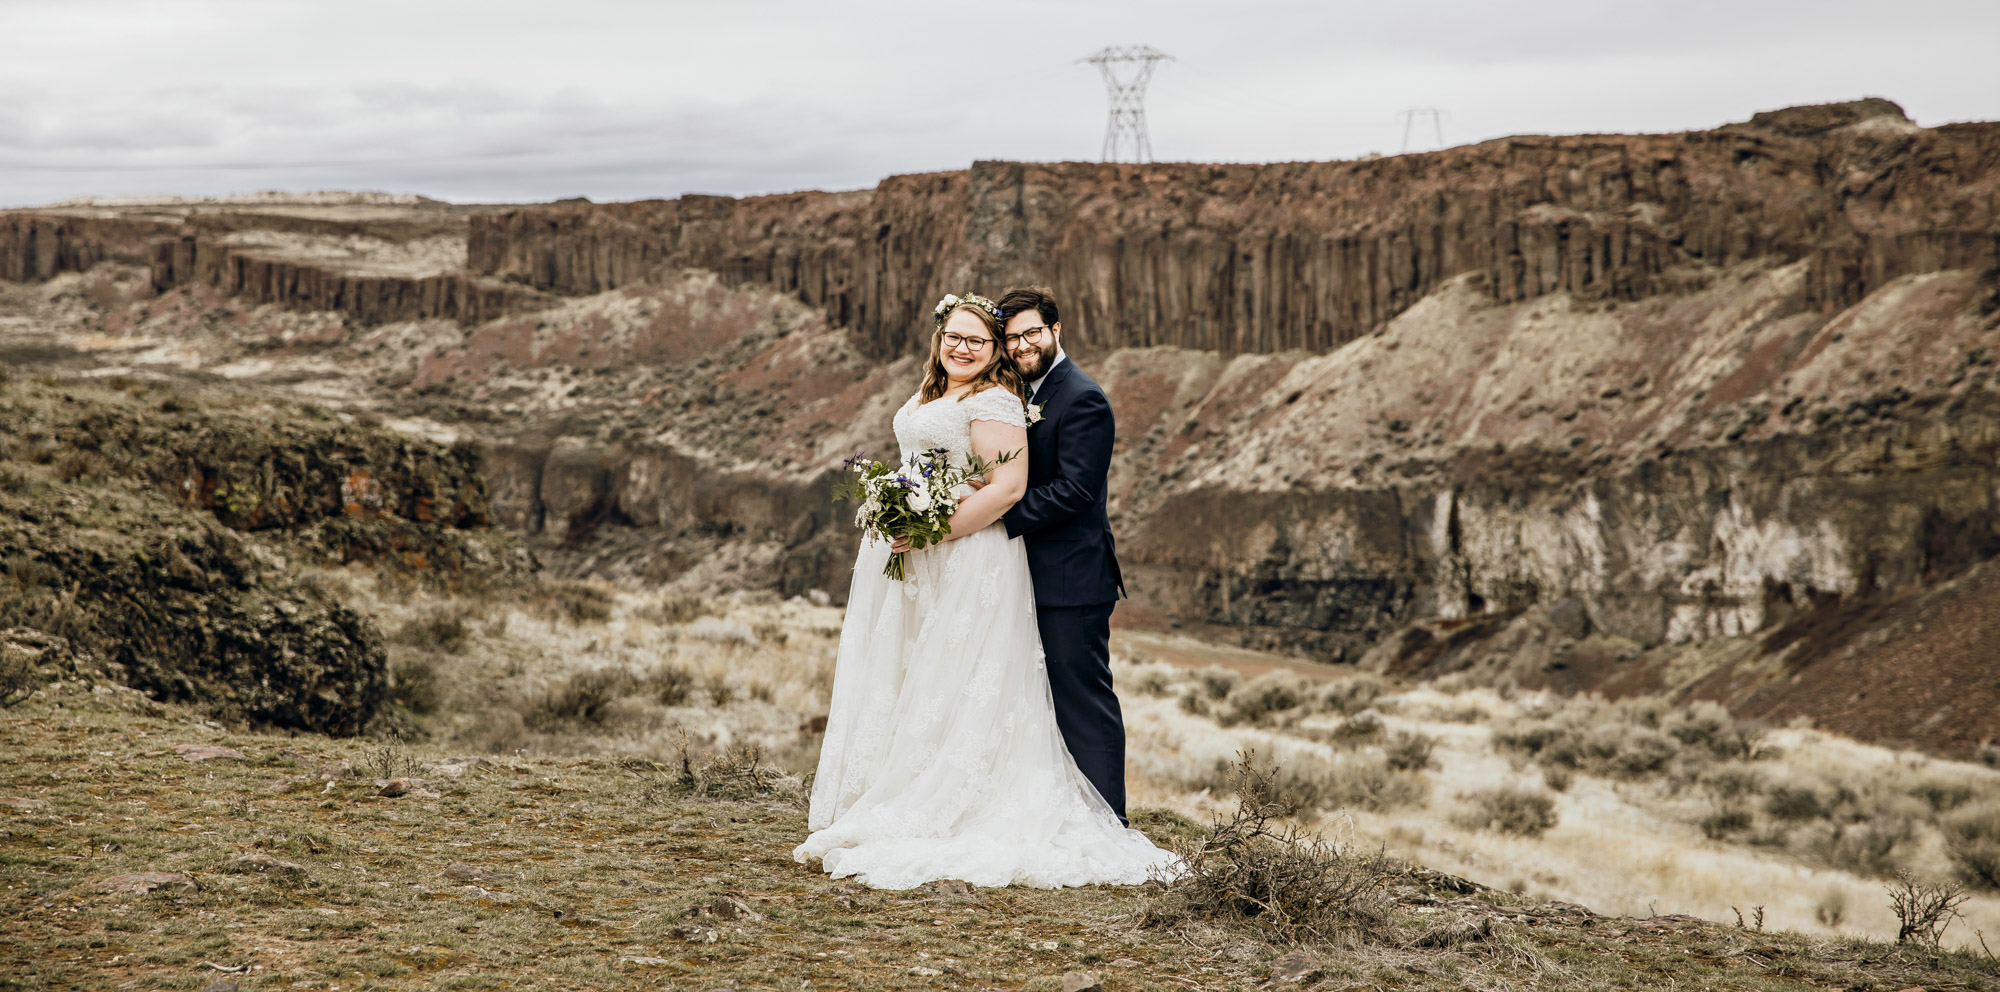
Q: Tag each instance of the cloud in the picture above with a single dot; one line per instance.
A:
(508, 100)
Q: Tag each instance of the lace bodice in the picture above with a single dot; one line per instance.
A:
(947, 423)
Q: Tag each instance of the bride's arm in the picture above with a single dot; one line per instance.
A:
(1005, 482)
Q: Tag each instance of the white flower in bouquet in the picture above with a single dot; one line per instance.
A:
(915, 500)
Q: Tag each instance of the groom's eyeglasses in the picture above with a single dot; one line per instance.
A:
(1032, 335)
(952, 339)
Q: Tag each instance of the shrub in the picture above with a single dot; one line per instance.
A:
(1634, 738)
(1194, 700)
(1350, 695)
(577, 602)
(739, 773)
(413, 684)
(582, 698)
(1924, 910)
(1153, 680)
(19, 675)
(1869, 847)
(1972, 837)
(84, 465)
(1511, 810)
(1218, 682)
(1724, 822)
(1409, 751)
(441, 630)
(1795, 803)
(1267, 694)
(1734, 781)
(670, 684)
(678, 610)
(389, 761)
(1356, 731)
(1943, 794)
(1831, 908)
(1308, 783)
(1251, 871)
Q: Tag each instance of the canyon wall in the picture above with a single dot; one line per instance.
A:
(36, 246)
(314, 269)
(368, 298)
(1264, 258)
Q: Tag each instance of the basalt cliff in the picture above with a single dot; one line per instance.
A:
(1712, 413)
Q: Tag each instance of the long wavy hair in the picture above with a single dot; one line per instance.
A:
(1001, 371)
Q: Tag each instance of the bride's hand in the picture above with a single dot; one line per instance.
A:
(899, 545)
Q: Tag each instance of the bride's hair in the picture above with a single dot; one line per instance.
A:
(1001, 371)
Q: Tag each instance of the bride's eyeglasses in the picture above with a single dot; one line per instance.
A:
(953, 339)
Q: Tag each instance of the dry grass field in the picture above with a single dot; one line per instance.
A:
(142, 846)
(1631, 809)
(594, 788)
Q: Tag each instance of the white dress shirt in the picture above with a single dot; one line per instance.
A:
(1036, 386)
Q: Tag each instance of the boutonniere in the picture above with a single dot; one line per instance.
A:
(1034, 414)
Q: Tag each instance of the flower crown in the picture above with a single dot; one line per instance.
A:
(944, 307)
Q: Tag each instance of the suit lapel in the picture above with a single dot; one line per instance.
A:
(1052, 384)
(1042, 439)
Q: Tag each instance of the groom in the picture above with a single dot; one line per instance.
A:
(1068, 537)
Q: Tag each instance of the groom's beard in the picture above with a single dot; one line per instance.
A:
(1035, 363)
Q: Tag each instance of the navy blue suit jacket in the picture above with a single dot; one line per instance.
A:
(1070, 551)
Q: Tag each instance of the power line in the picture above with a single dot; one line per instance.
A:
(1126, 126)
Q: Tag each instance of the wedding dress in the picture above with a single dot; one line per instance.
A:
(942, 759)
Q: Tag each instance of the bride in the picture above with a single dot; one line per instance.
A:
(942, 756)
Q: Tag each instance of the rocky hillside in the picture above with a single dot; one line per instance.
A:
(156, 539)
(1711, 413)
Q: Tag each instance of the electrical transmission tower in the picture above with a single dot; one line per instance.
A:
(1126, 127)
(1410, 118)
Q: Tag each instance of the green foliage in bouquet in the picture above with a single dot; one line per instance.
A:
(914, 500)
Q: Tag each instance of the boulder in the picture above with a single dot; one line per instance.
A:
(1570, 617)
(1082, 981)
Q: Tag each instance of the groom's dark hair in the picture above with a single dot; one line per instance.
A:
(1030, 298)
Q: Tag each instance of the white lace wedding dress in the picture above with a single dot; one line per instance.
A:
(942, 758)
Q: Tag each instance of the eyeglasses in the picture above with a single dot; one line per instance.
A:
(1032, 335)
(953, 339)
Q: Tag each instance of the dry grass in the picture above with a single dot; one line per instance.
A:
(1972, 835)
(1654, 808)
(586, 669)
(600, 872)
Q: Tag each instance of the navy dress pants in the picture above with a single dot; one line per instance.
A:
(1077, 643)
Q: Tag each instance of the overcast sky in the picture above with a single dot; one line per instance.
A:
(498, 100)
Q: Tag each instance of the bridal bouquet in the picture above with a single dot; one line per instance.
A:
(911, 500)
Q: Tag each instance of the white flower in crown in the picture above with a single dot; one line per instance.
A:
(950, 300)
(1034, 414)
